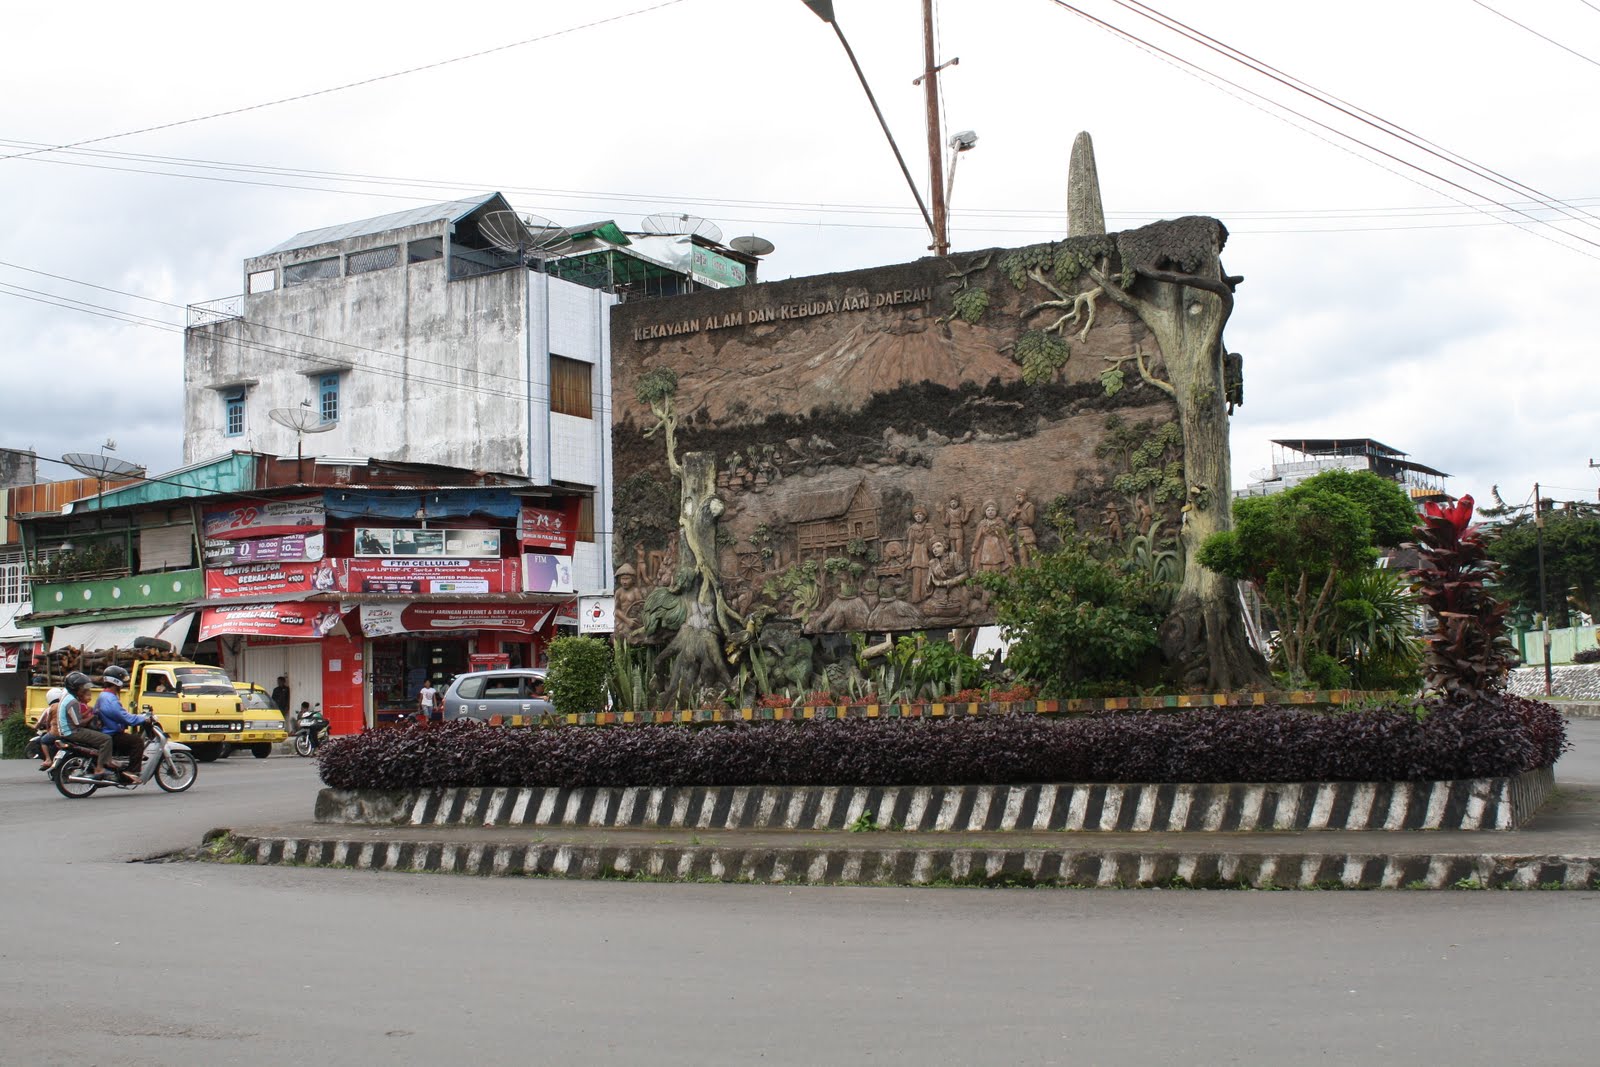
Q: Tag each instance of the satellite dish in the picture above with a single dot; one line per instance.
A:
(669, 222)
(302, 420)
(97, 465)
(752, 246)
(531, 238)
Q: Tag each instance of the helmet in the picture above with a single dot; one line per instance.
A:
(119, 673)
(78, 680)
(55, 696)
(111, 681)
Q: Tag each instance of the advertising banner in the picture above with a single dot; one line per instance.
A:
(275, 579)
(288, 548)
(544, 528)
(9, 657)
(547, 574)
(305, 621)
(273, 518)
(404, 574)
(595, 615)
(457, 544)
(382, 620)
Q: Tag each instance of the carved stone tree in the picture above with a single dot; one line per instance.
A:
(1171, 277)
(691, 606)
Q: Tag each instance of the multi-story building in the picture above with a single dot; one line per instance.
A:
(1293, 461)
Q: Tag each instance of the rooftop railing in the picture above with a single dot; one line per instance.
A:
(219, 310)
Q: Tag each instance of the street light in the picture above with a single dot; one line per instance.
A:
(959, 143)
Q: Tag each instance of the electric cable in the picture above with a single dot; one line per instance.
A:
(1536, 33)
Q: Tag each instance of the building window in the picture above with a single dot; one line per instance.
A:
(372, 259)
(571, 387)
(585, 531)
(328, 392)
(233, 413)
(425, 248)
(315, 270)
(262, 281)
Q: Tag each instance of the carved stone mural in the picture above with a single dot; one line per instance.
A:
(875, 438)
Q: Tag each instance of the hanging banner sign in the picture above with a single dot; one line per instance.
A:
(305, 621)
(547, 574)
(383, 620)
(456, 544)
(9, 656)
(408, 575)
(268, 519)
(290, 547)
(544, 528)
(275, 579)
(595, 615)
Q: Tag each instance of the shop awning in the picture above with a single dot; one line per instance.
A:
(10, 632)
(120, 633)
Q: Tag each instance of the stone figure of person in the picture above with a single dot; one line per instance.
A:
(918, 534)
(991, 547)
(627, 602)
(955, 525)
(947, 574)
(1112, 521)
(1021, 519)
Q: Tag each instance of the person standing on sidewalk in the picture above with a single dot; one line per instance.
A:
(427, 697)
(280, 696)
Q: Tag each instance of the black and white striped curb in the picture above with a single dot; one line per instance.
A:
(1466, 804)
(924, 866)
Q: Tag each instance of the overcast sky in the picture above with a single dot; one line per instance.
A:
(1378, 301)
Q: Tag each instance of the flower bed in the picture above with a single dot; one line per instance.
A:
(1495, 737)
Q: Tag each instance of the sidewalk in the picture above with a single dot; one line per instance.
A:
(1560, 848)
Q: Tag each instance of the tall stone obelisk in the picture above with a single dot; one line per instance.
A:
(1085, 216)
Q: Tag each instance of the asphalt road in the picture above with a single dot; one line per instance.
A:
(219, 964)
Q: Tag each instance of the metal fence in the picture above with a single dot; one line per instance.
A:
(219, 310)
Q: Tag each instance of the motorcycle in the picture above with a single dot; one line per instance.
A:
(170, 763)
(310, 731)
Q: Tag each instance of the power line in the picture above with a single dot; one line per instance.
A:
(354, 84)
(1536, 33)
(1206, 74)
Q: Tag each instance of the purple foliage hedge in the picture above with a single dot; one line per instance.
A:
(1502, 735)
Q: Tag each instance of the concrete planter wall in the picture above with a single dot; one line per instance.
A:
(1465, 804)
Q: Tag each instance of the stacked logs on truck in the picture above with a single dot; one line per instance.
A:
(53, 668)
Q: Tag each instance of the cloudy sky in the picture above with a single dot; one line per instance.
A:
(1435, 295)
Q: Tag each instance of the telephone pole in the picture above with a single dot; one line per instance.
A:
(930, 87)
(1544, 615)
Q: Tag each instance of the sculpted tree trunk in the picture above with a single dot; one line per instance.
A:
(1185, 310)
(696, 650)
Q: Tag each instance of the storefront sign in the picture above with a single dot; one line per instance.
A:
(401, 574)
(266, 519)
(595, 615)
(290, 547)
(257, 579)
(434, 503)
(9, 657)
(383, 620)
(547, 574)
(304, 621)
(544, 528)
(458, 544)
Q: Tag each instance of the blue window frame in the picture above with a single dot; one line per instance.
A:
(233, 413)
(328, 391)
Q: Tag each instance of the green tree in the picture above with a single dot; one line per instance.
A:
(1571, 562)
(1297, 545)
(1075, 621)
(579, 669)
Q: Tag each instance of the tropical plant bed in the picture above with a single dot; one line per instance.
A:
(1495, 737)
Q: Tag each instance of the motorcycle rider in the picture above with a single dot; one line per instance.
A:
(117, 720)
(49, 727)
(77, 723)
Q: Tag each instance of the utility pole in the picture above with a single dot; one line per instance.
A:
(930, 76)
(1544, 615)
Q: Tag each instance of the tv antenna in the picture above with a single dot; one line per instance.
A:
(669, 223)
(533, 239)
(302, 420)
(752, 246)
(101, 467)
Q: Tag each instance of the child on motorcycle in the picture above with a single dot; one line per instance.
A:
(48, 726)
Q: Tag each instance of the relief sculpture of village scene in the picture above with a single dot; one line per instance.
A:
(814, 478)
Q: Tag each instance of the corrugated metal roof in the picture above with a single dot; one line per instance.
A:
(453, 210)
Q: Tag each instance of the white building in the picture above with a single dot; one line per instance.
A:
(1293, 461)
(412, 338)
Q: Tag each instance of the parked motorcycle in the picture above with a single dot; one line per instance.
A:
(170, 763)
(310, 731)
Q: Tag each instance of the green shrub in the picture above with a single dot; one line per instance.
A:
(579, 667)
(15, 731)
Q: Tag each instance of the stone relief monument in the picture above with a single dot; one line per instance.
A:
(857, 446)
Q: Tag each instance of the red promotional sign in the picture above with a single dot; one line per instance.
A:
(274, 518)
(546, 528)
(273, 579)
(306, 621)
(381, 620)
(412, 575)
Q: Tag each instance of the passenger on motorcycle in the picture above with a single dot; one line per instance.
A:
(78, 721)
(49, 726)
(117, 720)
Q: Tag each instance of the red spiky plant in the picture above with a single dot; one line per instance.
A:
(1468, 652)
